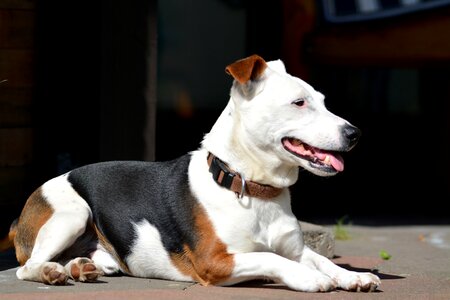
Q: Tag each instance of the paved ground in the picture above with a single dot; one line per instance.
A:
(419, 268)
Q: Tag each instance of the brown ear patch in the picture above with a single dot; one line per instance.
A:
(249, 68)
(208, 261)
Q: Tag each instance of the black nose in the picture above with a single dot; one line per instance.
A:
(351, 134)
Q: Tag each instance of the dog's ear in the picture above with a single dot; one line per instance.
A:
(277, 65)
(249, 68)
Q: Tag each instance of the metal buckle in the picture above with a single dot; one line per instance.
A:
(241, 194)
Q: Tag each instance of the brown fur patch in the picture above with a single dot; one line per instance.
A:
(208, 262)
(35, 214)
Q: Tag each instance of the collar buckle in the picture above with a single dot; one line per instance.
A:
(241, 194)
(221, 173)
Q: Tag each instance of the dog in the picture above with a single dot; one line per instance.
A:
(219, 215)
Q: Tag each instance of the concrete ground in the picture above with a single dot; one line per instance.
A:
(418, 268)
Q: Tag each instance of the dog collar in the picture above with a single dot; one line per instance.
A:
(233, 181)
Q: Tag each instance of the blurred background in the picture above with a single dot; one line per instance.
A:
(87, 81)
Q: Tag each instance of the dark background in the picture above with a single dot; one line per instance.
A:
(113, 80)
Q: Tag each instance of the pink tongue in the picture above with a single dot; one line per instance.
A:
(335, 159)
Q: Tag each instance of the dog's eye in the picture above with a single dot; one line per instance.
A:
(299, 102)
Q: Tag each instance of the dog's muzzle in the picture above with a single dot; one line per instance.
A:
(325, 161)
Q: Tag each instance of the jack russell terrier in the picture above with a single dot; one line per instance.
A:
(218, 215)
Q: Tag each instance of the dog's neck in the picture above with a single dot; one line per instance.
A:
(233, 181)
(228, 141)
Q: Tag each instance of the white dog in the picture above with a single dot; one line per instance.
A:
(219, 215)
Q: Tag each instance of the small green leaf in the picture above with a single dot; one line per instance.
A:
(385, 255)
(340, 232)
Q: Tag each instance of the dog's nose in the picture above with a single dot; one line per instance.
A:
(351, 134)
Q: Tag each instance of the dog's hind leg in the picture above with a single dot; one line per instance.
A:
(83, 269)
(51, 221)
(106, 262)
(96, 262)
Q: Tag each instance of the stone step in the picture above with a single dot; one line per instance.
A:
(318, 238)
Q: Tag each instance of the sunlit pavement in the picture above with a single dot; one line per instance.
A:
(413, 262)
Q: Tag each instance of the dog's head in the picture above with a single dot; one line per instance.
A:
(283, 116)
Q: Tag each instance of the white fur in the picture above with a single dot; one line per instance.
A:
(148, 257)
(243, 224)
(105, 261)
(265, 235)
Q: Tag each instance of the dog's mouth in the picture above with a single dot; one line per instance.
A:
(325, 160)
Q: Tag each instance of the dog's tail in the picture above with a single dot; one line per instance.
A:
(8, 241)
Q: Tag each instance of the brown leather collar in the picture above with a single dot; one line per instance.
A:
(233, 181)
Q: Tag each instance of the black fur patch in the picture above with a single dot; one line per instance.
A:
(123, 192)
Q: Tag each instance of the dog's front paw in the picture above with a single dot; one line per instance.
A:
(53, 273)
(312, 281)
(358, 282)
(324, 284)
